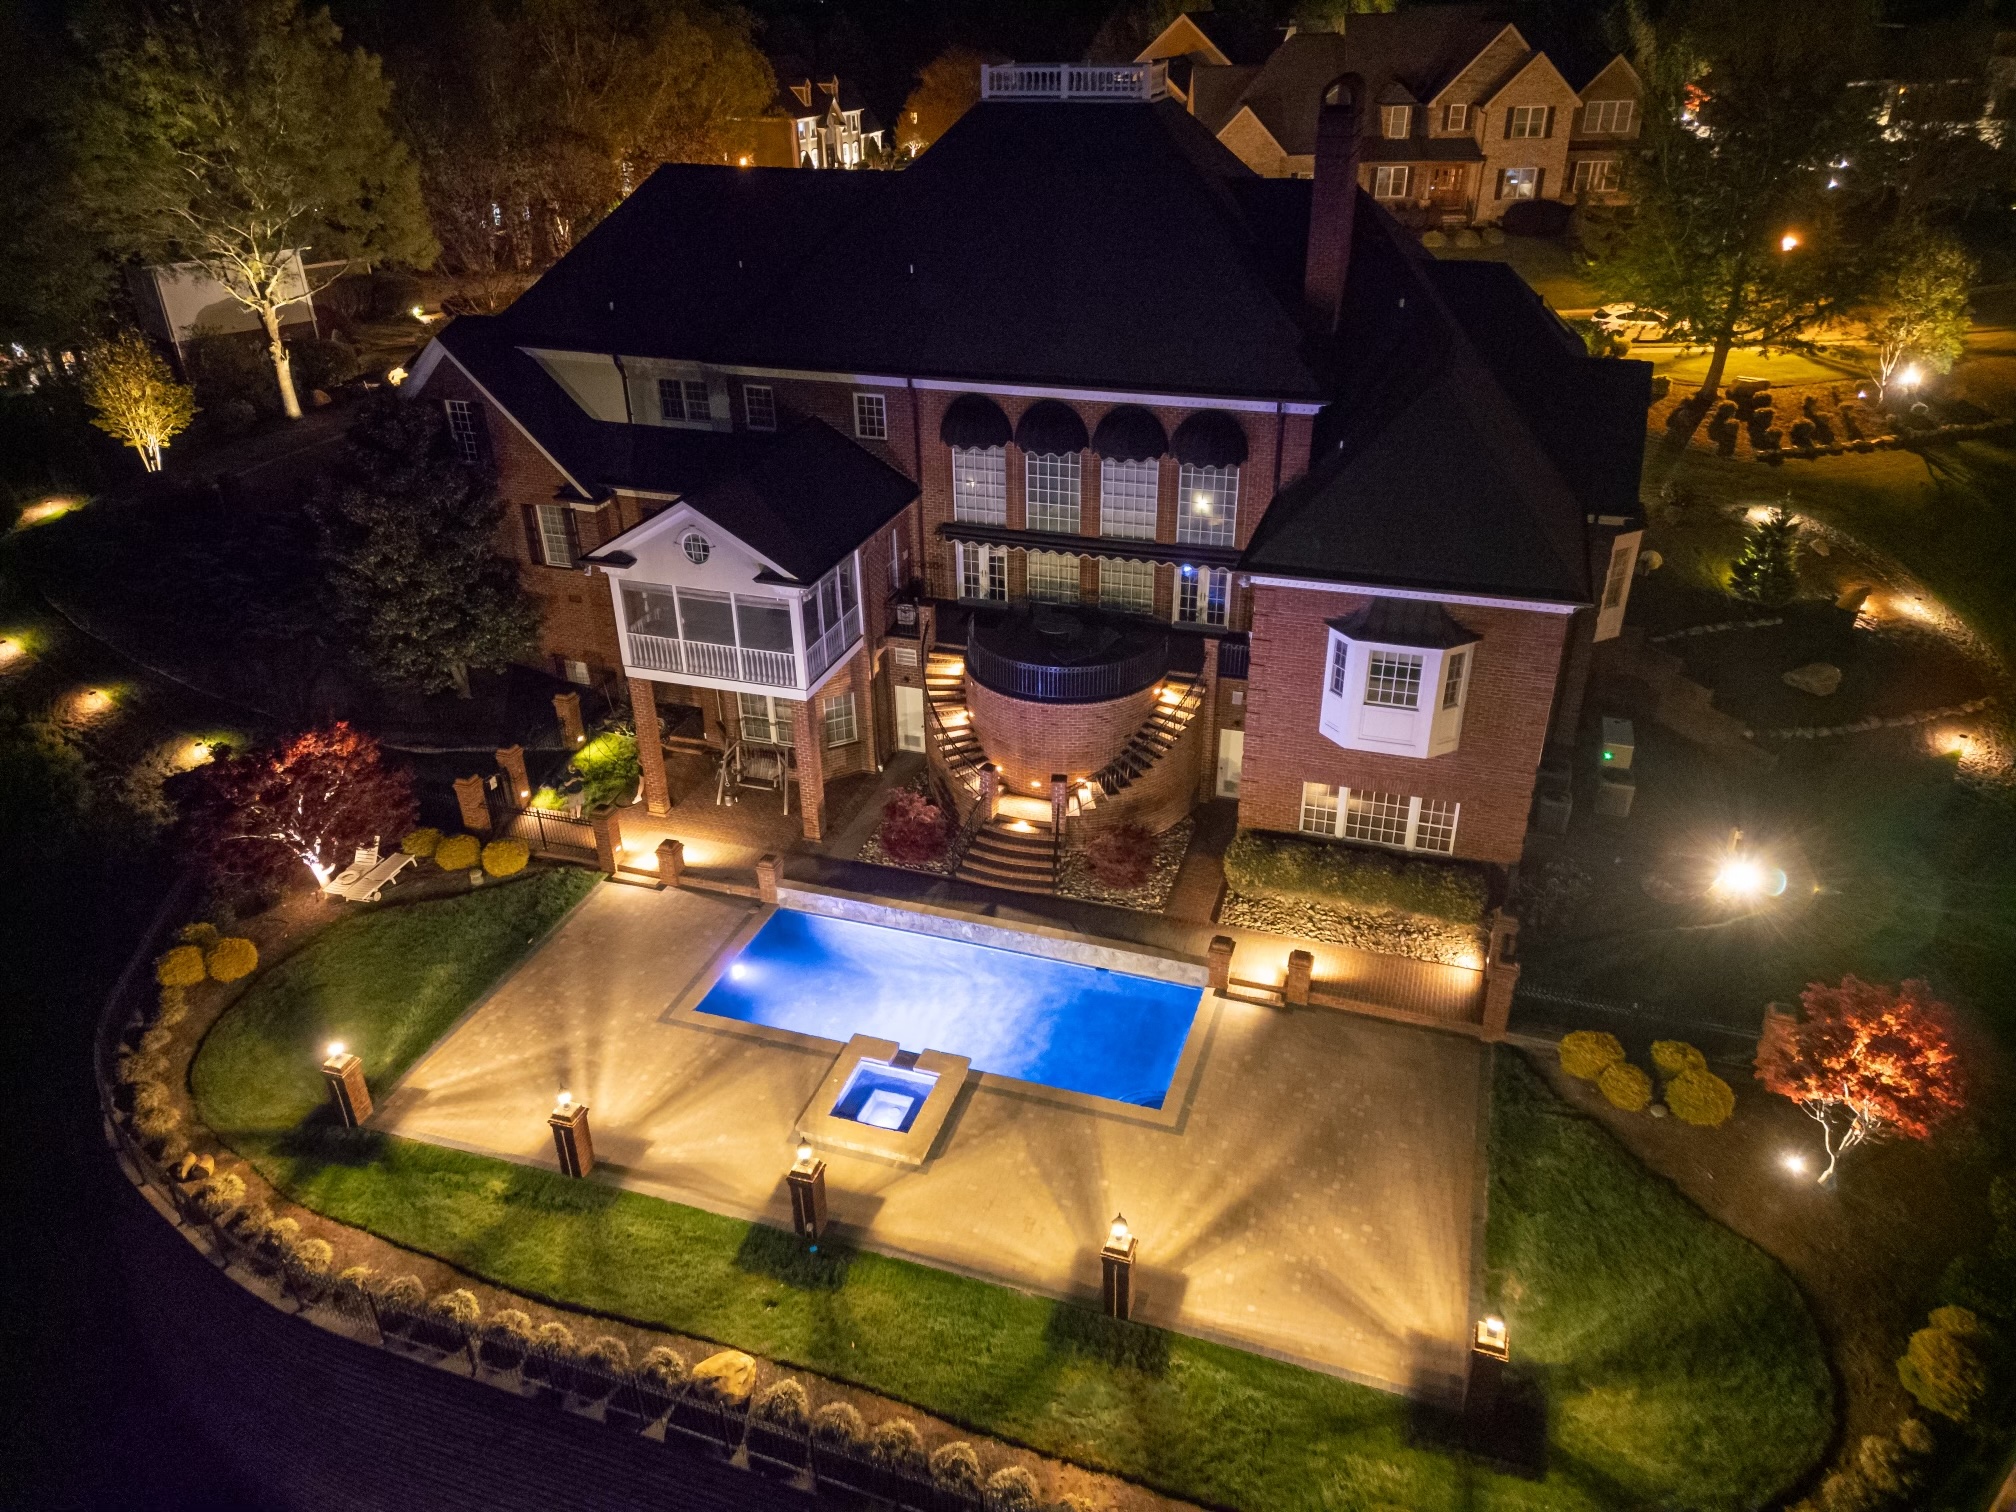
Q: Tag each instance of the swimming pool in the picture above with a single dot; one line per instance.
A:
(1057, 1023)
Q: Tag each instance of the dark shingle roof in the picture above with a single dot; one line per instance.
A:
(1283, 95)
(1420, 49)
(1422, 150)
(1404, 622)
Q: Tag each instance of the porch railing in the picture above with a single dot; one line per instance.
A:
(770, 669)
(828, 648)
(1074, 81)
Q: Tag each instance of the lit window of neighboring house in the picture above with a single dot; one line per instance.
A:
(759, 406)
(1518, 183)
(1203, 595)
(1395, 121)
(1207, 505)
(683, 401)
(462, 430)
(1390, 819)
(1596, 176)
(843, 725)
(1608, 117)
(1051, 490)
(980, 485)
(1526, 121)
(1389, 181)
(871, 417)
(1053, 577)
(1127, 585)
(1127, 499)
(1456, 118)
(556, 535)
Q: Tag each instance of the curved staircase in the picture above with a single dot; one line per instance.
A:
(1013, 853)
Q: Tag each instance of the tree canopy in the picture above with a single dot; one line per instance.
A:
(1919, 312)
(135, 396)
(235, 134)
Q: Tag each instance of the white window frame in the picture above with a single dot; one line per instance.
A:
(1617, 578)
(896, 559)
(759, 414)
(1518, 183)
(1391, 821)
(1127, 586)
(775, 723)
(1455, 666)
(1608, 117)
(1455, 117)
(694, 401)
(1053, 491)
(1058, 574)
(556, 547)
(1393, 679)
(871, 416)
(1396, 122)
(463, 430)
(1129, 499)
(1395, 699)
(1389, 181)
(1320, 807)
(983, 572)
(1597, 176)
(1527, 123)
(980, 485)
(1217, 522)
(1203, 595)
(842, 718)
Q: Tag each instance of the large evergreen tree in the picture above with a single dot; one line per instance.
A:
(236, 133)
(415, 582)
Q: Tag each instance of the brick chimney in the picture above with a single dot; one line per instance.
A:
(1333, 200)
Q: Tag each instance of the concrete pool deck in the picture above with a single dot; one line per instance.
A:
(1315, 1200)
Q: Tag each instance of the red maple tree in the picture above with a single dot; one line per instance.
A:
(1865, 1061)
(311, 798)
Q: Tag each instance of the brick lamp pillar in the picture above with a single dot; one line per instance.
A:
(808, 739)
(1295, 990)
(1116, 1271)
(567, 709)
(766, 879)
(572, 1141)
(511, 760)
(650, 748)
(475, 810)
(343, 1070)
(1060, 793)
(1501, 974)
(1219, 962)
(608, 830)
(807, 1181)
(671, 861)
(990, 790)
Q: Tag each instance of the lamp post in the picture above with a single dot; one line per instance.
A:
(344, 1071)
(1490, 1350)
(1116, 1270)
(571, 1140)
(807, 1181)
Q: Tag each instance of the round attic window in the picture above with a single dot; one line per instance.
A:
(698, 547)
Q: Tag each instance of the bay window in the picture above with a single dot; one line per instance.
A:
(1397, 674)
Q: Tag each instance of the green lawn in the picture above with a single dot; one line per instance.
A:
(1646, 1389)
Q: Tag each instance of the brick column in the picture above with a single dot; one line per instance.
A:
(519, 785)
(650, 747)
(1295, 990)
(990, 790)
(864, 706)
(671, 862)
(567, 709)
(1219, 962)
(808, 734)
(1060, 792)
(608, 830)
(1207, 727)
(475, 809)
(766, 878)
(1501, 974)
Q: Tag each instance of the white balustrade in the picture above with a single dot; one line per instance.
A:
(1074, 81)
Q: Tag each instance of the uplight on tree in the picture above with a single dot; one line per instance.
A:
(135, 397)
(1918, 316)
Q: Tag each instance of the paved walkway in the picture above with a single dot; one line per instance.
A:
(1315, 1200)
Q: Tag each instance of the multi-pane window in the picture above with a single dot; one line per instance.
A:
(1393, 680)
(871, 417)
(843, 726)
(1618, 577)
(1455, 117)
(1452, 683)
(983, 571)
(766, 720)
(1607, 117)
(1207, 505)
(1389, 181)
(1319, 809)
(1051, 489)
(980, 485)
(1435, 826)
(1203, 595)
(1526, 121)
(556, 535)
(759, 406)
(1596, 176)
(1394, 121)
(463, 432)
(1380, 818)
(1053, 576)
(684, 401)
(1340, 658)
(1518, 183)
(1127, 499)
(1127, 585)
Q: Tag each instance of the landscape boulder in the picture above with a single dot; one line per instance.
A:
(728, 1378)
(1817, 678)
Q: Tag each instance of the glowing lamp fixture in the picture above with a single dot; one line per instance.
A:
(1119, 1236)
(804, 1153)
(738, 972)
(1492, 1338)
(9, 650)
(395, 375)
(335, 1049)
(1788, 241)
(1739, 877)
(1910, 378)
(564, 1101)
(742, 161)
(1794, 1163)
(1201, 502)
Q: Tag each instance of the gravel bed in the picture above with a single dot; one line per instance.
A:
(1398, 934)
(1075, 878)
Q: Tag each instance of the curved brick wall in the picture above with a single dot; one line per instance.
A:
(1029, 741)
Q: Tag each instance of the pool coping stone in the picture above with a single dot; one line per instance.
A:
(821, 1128)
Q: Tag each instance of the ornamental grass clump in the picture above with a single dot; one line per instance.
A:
(1588, 1053)
(505, 858)
(504, 1338)
(173, 1007)
(181, 966)
(155, 1040)
(838, 1425)
(1624, 1086)
(662, 1367)
(783, 1405)
(1700, 1098)
(404, 1292)
(457, 853)
(312, 1257)
(422, 842)
(1671, 1058)
(1013, 1489)
(1945, 1365)
(955, 1467)
(457, 1306)
(604, 1362)
(897, 1445)
(219, 1195)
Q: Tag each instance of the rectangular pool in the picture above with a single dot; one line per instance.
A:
(1057, 1023)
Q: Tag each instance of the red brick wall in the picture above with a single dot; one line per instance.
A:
(1504, 724)
(1029, 741)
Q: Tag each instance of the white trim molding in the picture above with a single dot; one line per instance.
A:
(1366, 590)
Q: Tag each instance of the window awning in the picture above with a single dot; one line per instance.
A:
(973, 422)
(1210, 438)
(1181, 553)
(1048, 427)
(1130, 434)
(1420, 623)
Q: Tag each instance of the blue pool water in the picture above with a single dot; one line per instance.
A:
(884, 1096)
(1079, 1028)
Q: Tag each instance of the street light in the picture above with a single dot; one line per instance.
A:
(1788, 241)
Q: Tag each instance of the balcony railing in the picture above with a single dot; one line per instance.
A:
(664, 653)
(1074, 81)
(1093, 682)
(829, 648)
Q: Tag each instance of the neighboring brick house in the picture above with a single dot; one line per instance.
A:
(1192, 483)
(1465, 116)
(817, 123)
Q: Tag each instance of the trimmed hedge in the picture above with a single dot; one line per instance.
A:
(457, 853)
(231, 960)
(1335, 875)
(505, 858)
(181, 967)
(1625, 1086)
(1700, 1098)
(1588, 1053)
(1677, 1057)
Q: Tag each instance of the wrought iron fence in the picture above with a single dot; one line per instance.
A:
(548, 832)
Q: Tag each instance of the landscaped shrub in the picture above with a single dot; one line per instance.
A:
(663, 1367)
(914, 831)
(219, 1195)
(181, 967)
(422, 842)
(1625, 1086)
(136, 1066)
(1676, 1057)
(838, 1424)
(150, 1094)
(1700, 1098)
(605, 1362)
(897, 1445)
(155, 1122)
(1766, 570)
(1013, 1489)
(231, 959)
(457, 853)
(609, 768)
(202, 936)
(1588, 1053)
(1334, 876)
(321, 364)
(505, 858)
(174, 1007)
(155, 1040)
(312, 1257)
(957, 1468)
(403, 1291)
(1121, 856)
(457, 1306)
(277, 1236)
(1943, 1366)
(504, 1338)
(783, 1404)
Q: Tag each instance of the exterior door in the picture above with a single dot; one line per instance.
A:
(909, 718)
(1231, 757)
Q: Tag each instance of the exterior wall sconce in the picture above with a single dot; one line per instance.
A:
(807, 1181)
(572, 1141)
(343, 1069)
(1116, 1266)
